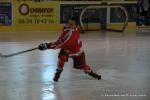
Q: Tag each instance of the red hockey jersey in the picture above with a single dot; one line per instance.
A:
(69, 41)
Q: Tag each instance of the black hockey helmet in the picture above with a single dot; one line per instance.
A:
(76, 19)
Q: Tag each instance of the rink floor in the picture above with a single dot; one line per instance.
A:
(123, 60)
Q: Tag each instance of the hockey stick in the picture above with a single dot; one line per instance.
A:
(14, 54)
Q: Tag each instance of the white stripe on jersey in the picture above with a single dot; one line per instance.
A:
(68, 36)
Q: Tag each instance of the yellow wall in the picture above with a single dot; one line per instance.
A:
(34, 20)
(29, 22)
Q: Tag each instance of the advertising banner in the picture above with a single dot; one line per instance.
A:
(35, 13)
(5, 13)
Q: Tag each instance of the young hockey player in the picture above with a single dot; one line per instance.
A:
(71, 47)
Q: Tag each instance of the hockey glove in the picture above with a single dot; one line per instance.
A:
(43, 46)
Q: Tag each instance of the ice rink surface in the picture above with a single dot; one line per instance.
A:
(123, 60)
